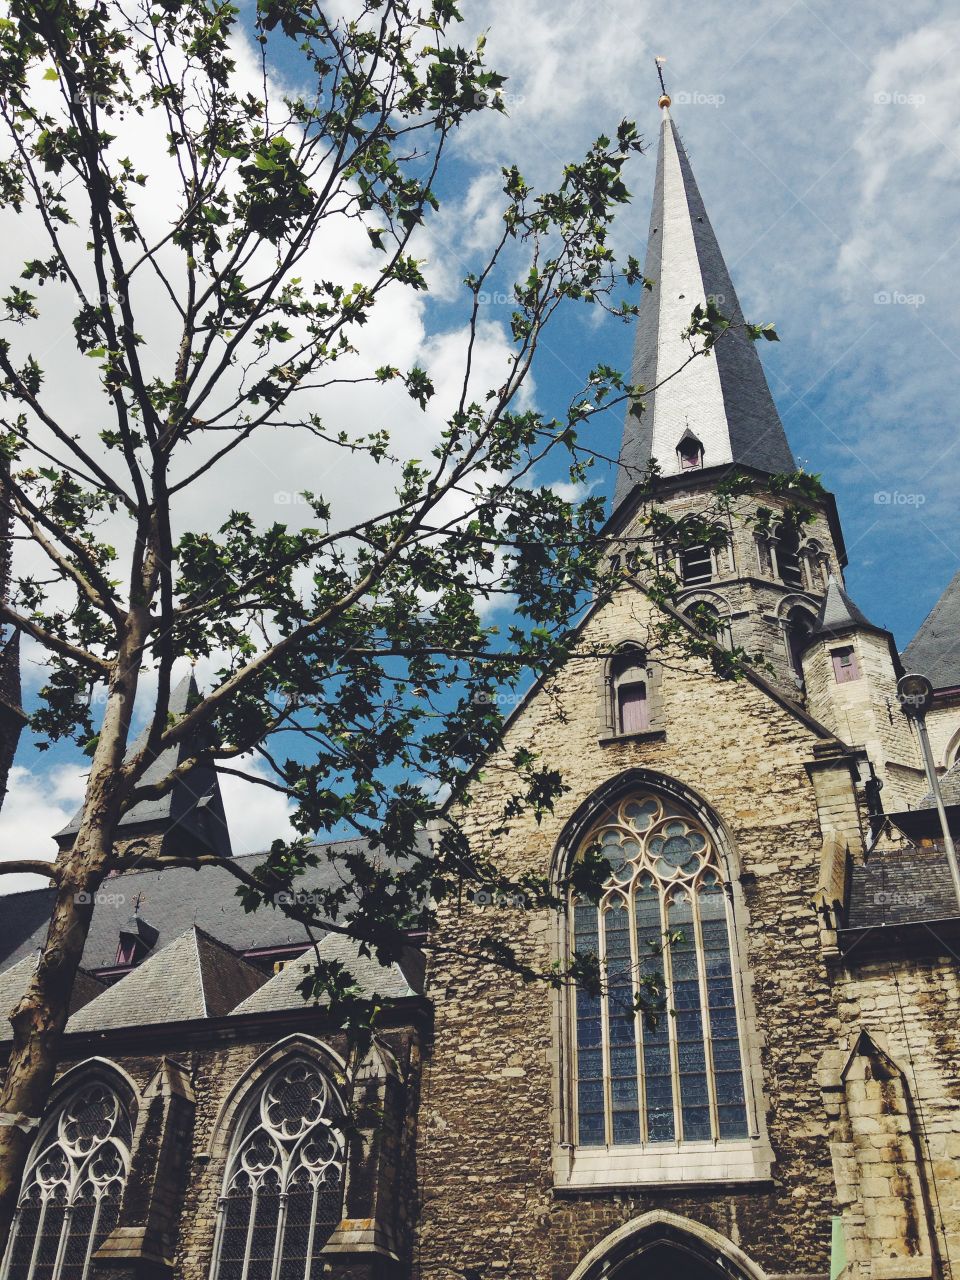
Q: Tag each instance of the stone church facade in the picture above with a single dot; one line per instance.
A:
(795, 1111)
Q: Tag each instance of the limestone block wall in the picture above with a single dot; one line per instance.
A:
(493, 1082)
(866, 712)
(745, 581)
(943, 725)
(898, 1157)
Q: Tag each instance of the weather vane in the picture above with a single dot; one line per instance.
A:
(664, 96)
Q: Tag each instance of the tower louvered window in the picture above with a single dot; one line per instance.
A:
(678, 1078)
(283, 1192)
(72, 1187)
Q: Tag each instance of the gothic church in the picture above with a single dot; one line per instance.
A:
(797, 1113)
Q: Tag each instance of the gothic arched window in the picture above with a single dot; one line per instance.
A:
(678, 1078)
(800, 623)
(72, 1187)
(283, 1191)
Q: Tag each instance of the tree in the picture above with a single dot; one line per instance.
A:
(208, 311)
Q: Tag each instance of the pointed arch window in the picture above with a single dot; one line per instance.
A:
(283, 1191)
(680, 1078)
(789, 564)
(800, 623)
(72, 1188)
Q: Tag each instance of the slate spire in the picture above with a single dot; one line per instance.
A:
(722, 399)
(838, 613)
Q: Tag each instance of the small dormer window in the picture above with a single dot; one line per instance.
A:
(137, 939)
(689, 452)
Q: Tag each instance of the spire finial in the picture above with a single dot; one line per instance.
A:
(664, 96)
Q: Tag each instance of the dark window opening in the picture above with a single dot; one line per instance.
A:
(696, 565)
(788, 558)
(800, 624)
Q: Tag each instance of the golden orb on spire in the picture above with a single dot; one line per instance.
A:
(664, 100)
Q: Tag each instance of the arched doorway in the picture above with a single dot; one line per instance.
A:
(668, 1262)
(665, 1246)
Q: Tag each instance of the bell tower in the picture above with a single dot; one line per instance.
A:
(706, 417)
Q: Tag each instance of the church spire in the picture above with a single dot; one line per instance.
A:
(722, 399)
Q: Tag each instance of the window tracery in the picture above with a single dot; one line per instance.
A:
(283, 1190)
(72, 1188)
(679, 1078)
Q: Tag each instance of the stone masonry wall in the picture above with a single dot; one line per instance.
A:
(910, 1007)
(867, 713)
(745, 582)
(490, 1087)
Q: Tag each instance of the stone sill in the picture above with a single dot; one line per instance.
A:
(744, 1163)
(647, 735)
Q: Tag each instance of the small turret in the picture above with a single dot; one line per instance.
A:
(850, 671)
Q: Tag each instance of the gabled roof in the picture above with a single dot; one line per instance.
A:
(390, 981)
(13, 984)
(723, 398)
(175, 900)
(191, 811)
(195, 977)
(935, 650)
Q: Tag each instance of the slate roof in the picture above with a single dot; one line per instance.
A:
(172, 901)
(838, 612)
(13, 983)
(935, 650)
(901, 886)
(723, 398)
(390, 981)
(192, 810)
(949, 789)
(195, 977)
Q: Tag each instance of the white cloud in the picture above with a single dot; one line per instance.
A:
(38, 803)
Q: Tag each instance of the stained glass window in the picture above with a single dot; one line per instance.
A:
(283, 1191)
(72, 1187)
(678, 1077)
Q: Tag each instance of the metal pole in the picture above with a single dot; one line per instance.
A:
(934, 782)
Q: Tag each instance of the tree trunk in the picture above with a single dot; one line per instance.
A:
(40, 1017)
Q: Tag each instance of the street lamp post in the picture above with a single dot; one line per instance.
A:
(916, 694)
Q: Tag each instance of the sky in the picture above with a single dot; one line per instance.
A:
(826, 143)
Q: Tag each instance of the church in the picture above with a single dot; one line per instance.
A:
(794, 1113)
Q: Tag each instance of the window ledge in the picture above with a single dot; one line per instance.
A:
(646, 735)
(595, 1168)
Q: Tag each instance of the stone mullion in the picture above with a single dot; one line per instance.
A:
(278, 1241)
(671, 1022)
(638, 1021)
(62, 1245)
(254, 1200)
(607, 1073)
(712, 1100)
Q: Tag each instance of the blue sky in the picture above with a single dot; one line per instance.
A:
(826, 143)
